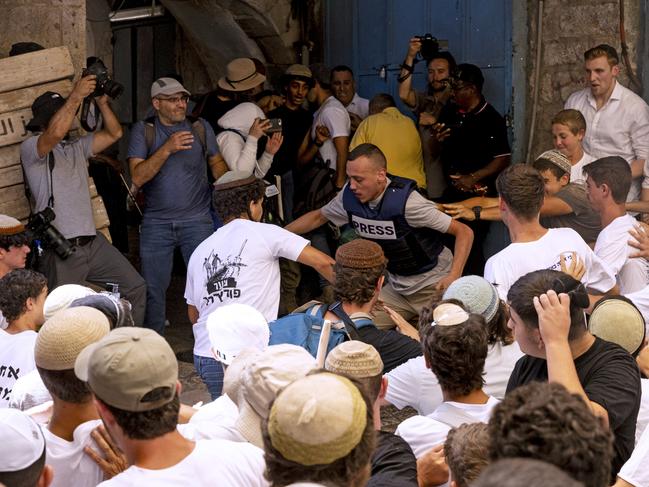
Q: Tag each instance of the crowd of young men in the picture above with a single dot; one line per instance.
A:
(511, 378)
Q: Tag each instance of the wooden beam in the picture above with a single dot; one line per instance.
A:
(35, 68)
(18, 99)
(10, 176)
(13, 202)
(12, 126)
(9, 155)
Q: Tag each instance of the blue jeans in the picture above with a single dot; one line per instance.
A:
(211, 371)
(158, 239)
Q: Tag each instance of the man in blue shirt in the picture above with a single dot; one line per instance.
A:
(167, 155)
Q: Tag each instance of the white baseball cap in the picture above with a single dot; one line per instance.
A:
(24, 439)
(235, 327)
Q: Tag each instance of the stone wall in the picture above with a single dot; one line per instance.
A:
(50, 23)
(569, 28)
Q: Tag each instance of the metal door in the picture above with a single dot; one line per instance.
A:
(371, 36)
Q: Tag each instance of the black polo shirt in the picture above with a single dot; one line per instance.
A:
(477, 137)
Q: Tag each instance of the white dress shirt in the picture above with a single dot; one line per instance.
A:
(619, 128)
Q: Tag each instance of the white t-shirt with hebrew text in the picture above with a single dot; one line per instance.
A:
(238, 264)
(16, 360)
(518, 259)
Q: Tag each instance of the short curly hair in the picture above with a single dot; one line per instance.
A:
(467, 452)
(232, 203)
(544, 421)
(457, 354)
(356, 285)
(497, 329)
(514, 472)
(16, 288)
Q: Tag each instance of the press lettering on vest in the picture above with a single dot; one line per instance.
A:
(374, 229)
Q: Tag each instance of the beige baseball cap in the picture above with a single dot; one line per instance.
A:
(133, 369)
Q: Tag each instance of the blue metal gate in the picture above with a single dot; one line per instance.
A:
(369, 35)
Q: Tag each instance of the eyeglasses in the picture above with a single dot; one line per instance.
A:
(175, 99)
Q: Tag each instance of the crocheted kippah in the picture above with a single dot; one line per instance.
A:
(617, 321)
(317, 419)
(477, 294)
(354, 359)
(360, 254)
(10, 226)
(65, 334)
(557, 158)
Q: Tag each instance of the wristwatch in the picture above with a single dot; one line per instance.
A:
(476, 211)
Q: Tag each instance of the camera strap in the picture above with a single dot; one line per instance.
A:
(50, 166)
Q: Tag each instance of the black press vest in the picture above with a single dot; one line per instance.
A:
(409, 250)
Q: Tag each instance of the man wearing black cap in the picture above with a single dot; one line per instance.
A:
(617, 119)
(475, 147)
(56, 171)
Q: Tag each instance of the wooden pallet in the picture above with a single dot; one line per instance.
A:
(22, 79)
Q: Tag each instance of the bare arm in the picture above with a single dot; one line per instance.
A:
(553, 206)
(218, 167)
(320, 261)
(639, 206)
(342, 150)
(406, 92)
(112, 129)
(463, 241)
(192, 314)
(309, 147)
(637, 168)
(307, 222)
(61, 122)
(554, 324)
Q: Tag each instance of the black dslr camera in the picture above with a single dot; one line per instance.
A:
(429, 46)
(105, 84)
(40, 225)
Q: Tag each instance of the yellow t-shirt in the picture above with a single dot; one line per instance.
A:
(397, 137)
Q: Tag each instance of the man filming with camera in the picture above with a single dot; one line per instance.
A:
(56, 170)
(427, 105)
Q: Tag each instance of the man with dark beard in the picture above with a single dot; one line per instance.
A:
(427, 106)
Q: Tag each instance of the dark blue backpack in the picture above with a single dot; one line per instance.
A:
(304, 329)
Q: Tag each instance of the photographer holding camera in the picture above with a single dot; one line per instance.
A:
(56, 172)
(428, 105)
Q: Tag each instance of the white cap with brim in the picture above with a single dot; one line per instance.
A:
(23, 439)
(235, 327)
